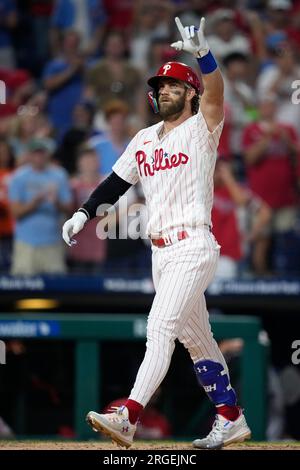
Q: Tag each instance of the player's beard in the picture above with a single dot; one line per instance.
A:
(172, 109)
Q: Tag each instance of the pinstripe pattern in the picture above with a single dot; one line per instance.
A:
(197, 337)
(178, 197)
(181, 273)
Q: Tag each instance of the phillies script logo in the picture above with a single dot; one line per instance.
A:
(161, 161)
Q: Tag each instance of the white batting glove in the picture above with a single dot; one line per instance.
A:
(73, 226)
(193, 39)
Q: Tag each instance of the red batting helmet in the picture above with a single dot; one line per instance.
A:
(178, 71)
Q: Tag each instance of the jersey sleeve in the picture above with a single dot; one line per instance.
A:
(212, 137)
(125, 167)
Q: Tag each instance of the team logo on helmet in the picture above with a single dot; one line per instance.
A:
(166, 68)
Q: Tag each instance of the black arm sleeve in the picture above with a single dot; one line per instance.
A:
(107, 192)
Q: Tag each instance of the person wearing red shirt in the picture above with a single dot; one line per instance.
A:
(90, 251)
(6, 218)
(229, 196)
(120, 15)
(271, 152)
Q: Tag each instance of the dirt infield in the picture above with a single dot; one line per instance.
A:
(157, 445)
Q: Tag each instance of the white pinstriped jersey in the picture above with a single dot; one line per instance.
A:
(176, 173)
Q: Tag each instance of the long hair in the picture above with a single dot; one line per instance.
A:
(195, 103)
(195, 100)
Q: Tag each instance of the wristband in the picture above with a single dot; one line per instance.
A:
(207, 63)
(85, 212)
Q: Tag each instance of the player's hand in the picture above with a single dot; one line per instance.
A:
(193, 39)
(73, 226)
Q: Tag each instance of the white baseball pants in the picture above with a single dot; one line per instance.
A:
(181, 274)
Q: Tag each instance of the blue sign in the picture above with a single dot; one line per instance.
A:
(29, 329)
(80, 284)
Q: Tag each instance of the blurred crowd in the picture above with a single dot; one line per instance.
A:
(73, 93)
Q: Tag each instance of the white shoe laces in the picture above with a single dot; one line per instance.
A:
(115, 413)
(217, 429)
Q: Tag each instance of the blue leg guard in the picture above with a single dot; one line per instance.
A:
(215, 381)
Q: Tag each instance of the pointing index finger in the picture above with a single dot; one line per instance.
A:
(202, 24)
(180, 27)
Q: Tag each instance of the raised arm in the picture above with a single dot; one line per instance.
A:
(212, 100)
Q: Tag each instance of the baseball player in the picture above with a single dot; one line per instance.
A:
(174, 160)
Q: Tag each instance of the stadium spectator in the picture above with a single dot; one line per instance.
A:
(294, 29)
(152, 21)
(82, 129)
(274, 43)
(225, 38)
(39, 194)
(113, 77)
(19, 88)
(63, 80)
(191, 11)
(5, 126)
(271, 151)
(278, 15)
(90, 251)
(229, 197)
(120, 14)
(254, 28)
(40, 12)
(279, 79)
(128, 250)
(29, 123)
(87, 18)
(238, 95)
(159, 53)
(112, 144)
(6, 220)
(9, 20)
